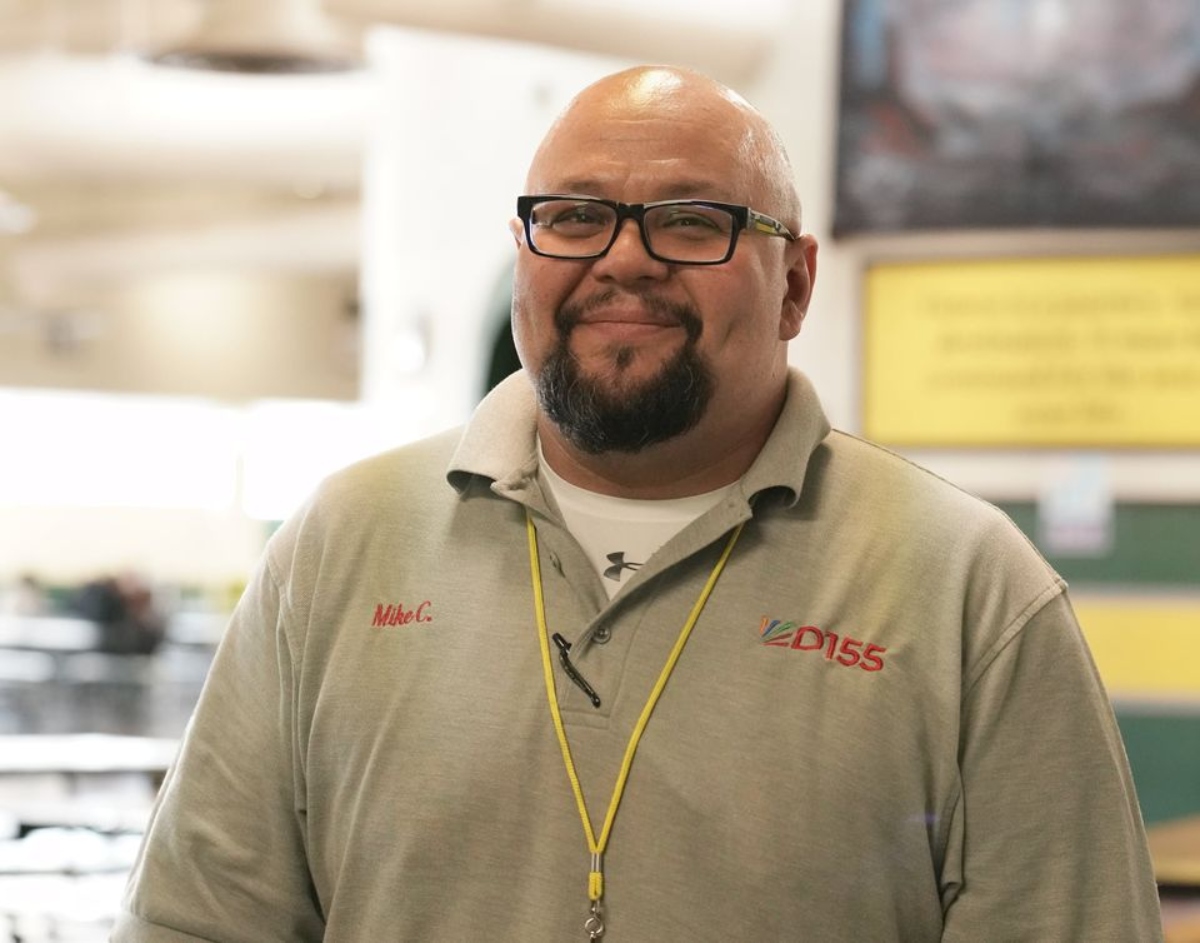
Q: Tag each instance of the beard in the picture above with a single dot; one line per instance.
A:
(597, 416)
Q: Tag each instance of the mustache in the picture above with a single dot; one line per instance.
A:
(568, 316)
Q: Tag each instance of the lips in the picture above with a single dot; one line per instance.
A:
(628, 312)
(628, 316)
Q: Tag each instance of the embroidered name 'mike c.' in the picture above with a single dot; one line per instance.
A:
(398, 614)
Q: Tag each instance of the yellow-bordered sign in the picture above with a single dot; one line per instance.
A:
(1034, 352)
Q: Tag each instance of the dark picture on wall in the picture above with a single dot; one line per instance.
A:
(960, 114)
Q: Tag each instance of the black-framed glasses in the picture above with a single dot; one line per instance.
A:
(686, 232)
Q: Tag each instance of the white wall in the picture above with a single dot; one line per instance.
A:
(219, 332)
(458, 120)
(212, 550)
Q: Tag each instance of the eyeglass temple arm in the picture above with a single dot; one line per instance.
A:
(771, 227)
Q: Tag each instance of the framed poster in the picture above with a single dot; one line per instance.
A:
(1048, 352)
(1018, 113)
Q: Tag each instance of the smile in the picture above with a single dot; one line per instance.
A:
(627, 328)
(617, 314)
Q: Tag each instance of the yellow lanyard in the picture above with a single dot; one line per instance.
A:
(595, 924)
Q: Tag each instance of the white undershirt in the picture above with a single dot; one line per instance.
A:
(620, 534)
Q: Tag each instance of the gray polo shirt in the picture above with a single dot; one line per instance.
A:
(885, 728)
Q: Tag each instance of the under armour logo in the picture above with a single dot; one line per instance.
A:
(618, 565)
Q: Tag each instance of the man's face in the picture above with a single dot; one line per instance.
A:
(625, 350)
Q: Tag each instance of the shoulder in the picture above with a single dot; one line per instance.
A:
(952, 562)
(391, 473)
(389, 496)
(856, 467)
(887, 499)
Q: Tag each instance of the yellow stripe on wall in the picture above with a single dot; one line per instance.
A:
(1144, 646)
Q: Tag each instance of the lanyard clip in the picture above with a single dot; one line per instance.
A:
(594, 925)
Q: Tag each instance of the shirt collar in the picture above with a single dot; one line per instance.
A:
(499, 443)
(798, 433)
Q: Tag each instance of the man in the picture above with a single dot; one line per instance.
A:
(661, 657)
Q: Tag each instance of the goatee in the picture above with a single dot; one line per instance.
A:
(598, 417)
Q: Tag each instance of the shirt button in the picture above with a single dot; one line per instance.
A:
(602, 634)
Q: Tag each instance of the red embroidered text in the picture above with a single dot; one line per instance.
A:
(397, 614)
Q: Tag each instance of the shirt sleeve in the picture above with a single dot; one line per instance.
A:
(224, 855)
(1047, 840)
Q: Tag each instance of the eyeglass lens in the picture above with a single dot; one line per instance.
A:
(680, 232)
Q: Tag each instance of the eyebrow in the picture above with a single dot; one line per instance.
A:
(678, 190)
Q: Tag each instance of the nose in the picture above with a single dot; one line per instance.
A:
(627, 259)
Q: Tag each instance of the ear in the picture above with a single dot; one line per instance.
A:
(801, 259)
(518, 231)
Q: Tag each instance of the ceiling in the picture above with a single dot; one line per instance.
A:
(109, 162)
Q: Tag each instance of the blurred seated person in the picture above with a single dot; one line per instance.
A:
(128, 617)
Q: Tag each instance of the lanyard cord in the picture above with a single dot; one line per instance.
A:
(597, 847)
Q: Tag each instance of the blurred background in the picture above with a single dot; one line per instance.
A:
(244, 243)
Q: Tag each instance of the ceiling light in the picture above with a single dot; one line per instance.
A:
(264, 37)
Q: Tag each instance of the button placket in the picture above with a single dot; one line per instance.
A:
(591, 654)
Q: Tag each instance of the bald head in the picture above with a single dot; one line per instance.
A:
(722, 120)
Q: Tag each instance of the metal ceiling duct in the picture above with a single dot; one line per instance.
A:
(264, 37)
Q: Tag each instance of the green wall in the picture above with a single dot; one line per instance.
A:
(1154, 545)
(1164, 754)
(1156, 548)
